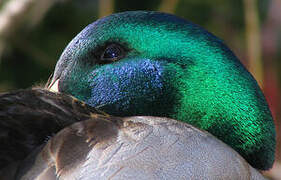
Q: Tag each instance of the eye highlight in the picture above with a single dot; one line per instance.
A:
(112, 52)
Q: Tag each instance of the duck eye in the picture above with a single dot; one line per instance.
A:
(112, 52)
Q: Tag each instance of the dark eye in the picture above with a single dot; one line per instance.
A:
(112, 52)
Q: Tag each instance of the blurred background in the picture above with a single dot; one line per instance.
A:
(33, 33)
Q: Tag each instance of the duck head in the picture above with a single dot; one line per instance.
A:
(156, 64)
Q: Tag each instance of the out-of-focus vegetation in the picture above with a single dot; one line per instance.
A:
(36, 32)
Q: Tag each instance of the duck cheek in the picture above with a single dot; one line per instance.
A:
(127, 88)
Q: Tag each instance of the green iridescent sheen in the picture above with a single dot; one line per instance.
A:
(172, 68)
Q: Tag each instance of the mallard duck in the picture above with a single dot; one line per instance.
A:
(139, 66)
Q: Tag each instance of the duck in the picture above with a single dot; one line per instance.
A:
(140, 95)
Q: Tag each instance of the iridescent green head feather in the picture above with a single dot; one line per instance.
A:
(167, 66)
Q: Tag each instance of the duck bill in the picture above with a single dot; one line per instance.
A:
(54, 86)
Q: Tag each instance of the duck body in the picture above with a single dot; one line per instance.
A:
(135, 65)
(99, 146)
